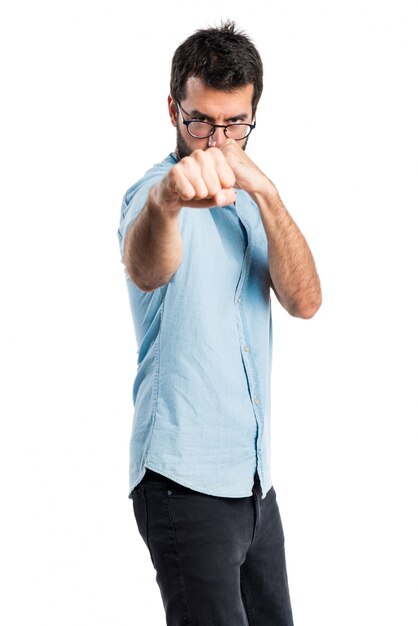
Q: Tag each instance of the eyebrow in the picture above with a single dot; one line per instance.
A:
(196, 113)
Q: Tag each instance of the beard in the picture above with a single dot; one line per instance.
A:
(183, 149)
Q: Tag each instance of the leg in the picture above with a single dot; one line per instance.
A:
(263, 574)
(197, 544)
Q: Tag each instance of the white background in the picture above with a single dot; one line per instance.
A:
(83, 116)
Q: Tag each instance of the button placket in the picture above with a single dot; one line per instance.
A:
(246, 350)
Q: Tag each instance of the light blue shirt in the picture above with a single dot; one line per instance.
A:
(204, 341)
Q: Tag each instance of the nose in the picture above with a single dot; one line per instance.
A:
(217, 139)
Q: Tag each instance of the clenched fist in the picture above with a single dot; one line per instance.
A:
(203, 179)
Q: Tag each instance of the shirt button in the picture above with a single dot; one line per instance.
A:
(256, 401)
(247, 348)
(239, 300)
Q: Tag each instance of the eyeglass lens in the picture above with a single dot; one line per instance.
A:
(204, 129)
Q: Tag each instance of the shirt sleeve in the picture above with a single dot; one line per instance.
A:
(133, 202)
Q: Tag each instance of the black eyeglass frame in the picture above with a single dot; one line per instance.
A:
(214, 126)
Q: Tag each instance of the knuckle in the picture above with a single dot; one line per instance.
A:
(201, 193)
(189, 166)
(199, 154)
(174, 172)
(214, 151)
(188, 195)
(185, 162)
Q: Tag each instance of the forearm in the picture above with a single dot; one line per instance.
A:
(153, 246)
(291, 265)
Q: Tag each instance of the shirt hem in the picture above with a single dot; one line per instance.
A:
(176, 479)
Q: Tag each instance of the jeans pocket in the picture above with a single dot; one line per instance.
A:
(175, 490)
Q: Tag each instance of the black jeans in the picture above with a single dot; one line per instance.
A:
(219, 561)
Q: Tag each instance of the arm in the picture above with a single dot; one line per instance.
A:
(153, 246)
(292, 269)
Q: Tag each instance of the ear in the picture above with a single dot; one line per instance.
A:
(172, 110)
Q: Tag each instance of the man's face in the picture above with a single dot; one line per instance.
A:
(210, 105)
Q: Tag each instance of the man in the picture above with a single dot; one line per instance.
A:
(204, 237)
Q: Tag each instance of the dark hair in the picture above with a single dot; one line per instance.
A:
(223, 58)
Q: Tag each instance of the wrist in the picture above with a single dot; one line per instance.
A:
(265, 192)
(160, 210)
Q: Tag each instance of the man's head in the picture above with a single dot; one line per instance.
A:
(216, 76)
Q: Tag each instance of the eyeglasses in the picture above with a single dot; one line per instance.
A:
(202, 130)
